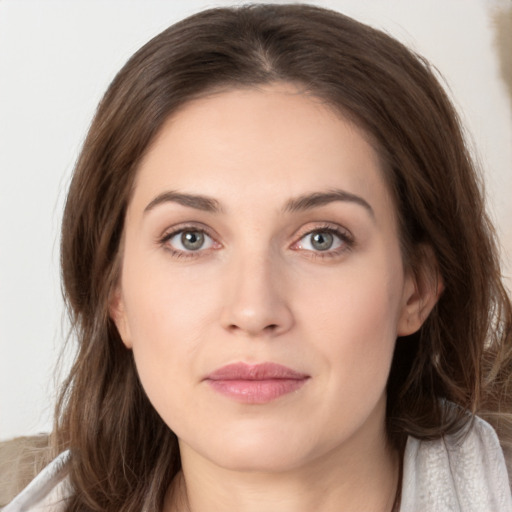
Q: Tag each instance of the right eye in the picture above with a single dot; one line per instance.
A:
(188, 240)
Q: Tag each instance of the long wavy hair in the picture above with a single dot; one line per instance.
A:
(123, 456)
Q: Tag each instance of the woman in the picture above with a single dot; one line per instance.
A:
(283, 280)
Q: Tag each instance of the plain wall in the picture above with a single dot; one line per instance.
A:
(56, 60)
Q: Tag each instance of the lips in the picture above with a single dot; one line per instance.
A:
(255, 384)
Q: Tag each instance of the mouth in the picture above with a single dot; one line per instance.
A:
(255, 384)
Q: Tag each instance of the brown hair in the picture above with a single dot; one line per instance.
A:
(123, 455)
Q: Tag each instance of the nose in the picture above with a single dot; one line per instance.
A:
(255, 302)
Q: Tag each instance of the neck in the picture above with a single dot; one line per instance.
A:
(366, 478)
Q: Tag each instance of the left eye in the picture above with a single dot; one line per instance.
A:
(190, 240)
(321, 240)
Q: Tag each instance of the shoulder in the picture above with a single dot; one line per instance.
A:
(465, 473)
(47, 492)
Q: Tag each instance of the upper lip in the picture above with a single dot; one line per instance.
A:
(261, 371)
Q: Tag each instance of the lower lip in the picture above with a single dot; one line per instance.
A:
(256, 391)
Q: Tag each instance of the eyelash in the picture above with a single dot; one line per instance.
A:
(345, 237)
(180, 254)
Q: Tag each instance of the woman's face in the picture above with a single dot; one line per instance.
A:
(262, 285)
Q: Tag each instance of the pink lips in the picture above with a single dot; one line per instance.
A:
(255, 384)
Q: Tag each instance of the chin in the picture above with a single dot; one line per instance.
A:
(260, 460)
(254, 451)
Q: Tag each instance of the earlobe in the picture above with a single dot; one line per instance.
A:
(117, 313)
(421, 293)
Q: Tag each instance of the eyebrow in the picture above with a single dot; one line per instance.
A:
(198, 202)
(316, 199)
(301, 203)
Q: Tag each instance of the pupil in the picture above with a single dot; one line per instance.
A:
(322, 241)
(192, 240)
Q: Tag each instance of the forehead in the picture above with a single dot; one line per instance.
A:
(263, 142)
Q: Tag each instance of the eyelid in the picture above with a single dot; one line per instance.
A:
(171, 232)
(341, 232)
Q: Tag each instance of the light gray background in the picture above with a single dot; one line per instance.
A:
(56, 60)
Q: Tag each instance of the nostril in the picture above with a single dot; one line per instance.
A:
(271, 328)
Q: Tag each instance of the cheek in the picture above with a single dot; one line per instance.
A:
(167, 314)
(163, 303)
(355, 321)
(361, 299)
(358, 337)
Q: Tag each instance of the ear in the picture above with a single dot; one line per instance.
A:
(422, 290)
(117, 312)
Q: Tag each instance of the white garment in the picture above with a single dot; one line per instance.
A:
(47, 492)
(439, 476)
(447, 476)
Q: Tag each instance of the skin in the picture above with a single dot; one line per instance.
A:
(259, 290)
